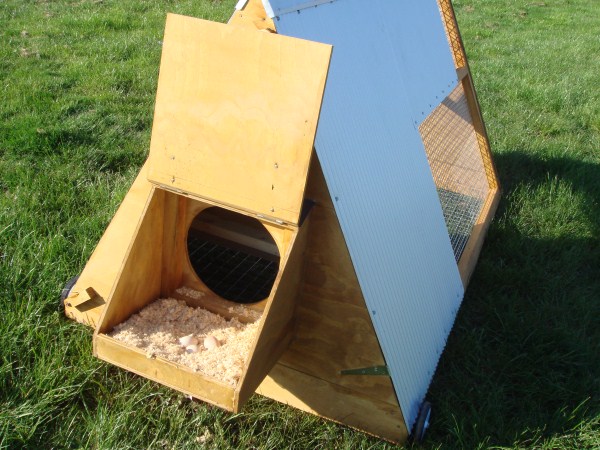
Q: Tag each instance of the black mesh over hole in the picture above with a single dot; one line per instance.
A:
(234, 255)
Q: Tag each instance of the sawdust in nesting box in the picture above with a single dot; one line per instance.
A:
(192, 293)
(156, 330)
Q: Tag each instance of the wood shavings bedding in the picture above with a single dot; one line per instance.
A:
(157, 328)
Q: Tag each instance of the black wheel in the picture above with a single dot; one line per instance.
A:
(422, 423)
(66, 291)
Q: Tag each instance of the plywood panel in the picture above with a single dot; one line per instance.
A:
(166, 372)
(139, 280)
(236, 113)
(329, 272)
(331, 337)
(106, 261)
(335, 402)
(252, 15)
(276, 328)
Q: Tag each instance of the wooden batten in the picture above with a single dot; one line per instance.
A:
(468, 261)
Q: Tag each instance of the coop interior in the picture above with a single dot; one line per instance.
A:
(204, 301)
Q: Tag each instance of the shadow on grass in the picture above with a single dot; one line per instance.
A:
(522, 364)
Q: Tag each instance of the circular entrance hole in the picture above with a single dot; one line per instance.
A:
(234, 255)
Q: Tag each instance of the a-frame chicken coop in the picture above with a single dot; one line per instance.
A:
(347, 246)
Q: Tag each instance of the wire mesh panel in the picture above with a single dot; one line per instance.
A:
(233, 255)
(458, 171)
(232, 273)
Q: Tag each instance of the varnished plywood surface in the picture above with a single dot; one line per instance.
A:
(253, 16)
(236, 114)
(102, 268)
(335, 403)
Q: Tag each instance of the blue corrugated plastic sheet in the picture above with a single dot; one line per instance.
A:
(280, 7)
(390, 68)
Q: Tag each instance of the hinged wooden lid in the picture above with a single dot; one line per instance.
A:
(236, 115)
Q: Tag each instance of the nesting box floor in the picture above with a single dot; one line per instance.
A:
(156, 330)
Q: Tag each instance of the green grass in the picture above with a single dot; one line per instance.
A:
(522, 365)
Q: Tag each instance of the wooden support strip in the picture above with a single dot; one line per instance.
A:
(452, 32)
(462, 72)
(480, 131)
(470, 255)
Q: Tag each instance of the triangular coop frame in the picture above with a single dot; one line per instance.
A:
(377, 232)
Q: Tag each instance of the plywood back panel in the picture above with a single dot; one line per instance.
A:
(236, 114)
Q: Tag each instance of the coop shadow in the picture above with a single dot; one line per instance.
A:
(522, 361)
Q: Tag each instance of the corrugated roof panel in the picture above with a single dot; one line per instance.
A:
(415, 31)
(280, 7)
(377, 173)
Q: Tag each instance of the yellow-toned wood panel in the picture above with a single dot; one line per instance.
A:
(254, 16)
(276, 328)
(329, 272)
(104, 264)
(166, 372)
(174, 241)
(236, 114)
(331, 337)
(335, 402)
(139, 280)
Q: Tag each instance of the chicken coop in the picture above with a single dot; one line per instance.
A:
(318, 188)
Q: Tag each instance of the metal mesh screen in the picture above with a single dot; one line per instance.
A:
(458, 171)
(232, 272)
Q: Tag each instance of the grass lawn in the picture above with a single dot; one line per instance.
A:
(522, 365)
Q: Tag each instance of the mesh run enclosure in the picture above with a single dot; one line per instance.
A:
(456, 164)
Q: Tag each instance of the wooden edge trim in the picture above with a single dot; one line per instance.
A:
(481, 132)
(470, 255)
(453, 33)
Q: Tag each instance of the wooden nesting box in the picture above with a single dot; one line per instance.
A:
(371, 240)
(229, 156)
